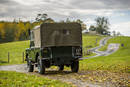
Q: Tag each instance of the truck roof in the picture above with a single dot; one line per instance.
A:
(59, 34)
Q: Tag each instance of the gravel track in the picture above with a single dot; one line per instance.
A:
(113, 47)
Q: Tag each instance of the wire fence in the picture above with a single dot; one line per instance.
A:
(86, 51)
(11, 57)
(19, 57)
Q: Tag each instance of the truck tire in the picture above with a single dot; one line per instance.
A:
(30, 66)
(75, 66)
(40, 66)
(61, 67)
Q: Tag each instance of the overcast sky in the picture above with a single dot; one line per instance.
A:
(117, 11)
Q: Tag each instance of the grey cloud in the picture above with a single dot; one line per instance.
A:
(102, 4)
(59, 9)
(117, 4)
(4, 1)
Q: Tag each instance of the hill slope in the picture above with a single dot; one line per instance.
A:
(15, 50)
(118, 61)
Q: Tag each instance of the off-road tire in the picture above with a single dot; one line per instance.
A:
(30, 66)
(75, 66)
(40, 65)
(61, 67)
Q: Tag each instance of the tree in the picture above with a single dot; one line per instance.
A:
(49, 20)
(9, 32)
(118, 33)
(27, 28)
(83, 26)
(114, 33)
(92, 28)
(68, 20)
(102, 25)
(2, 32)
(41, 17)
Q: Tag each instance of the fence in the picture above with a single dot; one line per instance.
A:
(11, 57)
(86, 51)
(19, 57)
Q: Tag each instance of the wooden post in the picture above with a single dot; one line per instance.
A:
(8, 57)
(23, 57)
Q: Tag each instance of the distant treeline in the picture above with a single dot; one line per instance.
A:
(14, 31)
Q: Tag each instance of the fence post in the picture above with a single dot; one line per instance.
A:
(8, 57)
(23, 57)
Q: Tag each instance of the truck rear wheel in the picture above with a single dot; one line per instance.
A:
(61, 67)
(30, 66)
(75, 66)
(41, 66)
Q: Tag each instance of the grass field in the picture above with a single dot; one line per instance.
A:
(90, 41)
(17, 48)
(15, 79)
(117, 62)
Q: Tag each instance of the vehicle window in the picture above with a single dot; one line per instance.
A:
(32, 35)
(32, 44)
(66, 32)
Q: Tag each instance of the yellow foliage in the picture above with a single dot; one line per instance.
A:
(2, 32)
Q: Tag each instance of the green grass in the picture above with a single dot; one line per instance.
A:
(89, 41)
(15, 79)
(116, 62)
(17, 48)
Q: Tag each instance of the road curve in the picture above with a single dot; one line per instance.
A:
(113, 47)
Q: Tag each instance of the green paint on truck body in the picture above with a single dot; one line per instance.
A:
(56, 44)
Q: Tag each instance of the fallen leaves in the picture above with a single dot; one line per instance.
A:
(116, 79)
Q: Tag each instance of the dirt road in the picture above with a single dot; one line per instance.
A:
(65, 76)
(113, 47)
(80, 79)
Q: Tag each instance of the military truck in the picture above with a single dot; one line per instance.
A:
(54, 44)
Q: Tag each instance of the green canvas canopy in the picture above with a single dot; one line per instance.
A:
(61, 34)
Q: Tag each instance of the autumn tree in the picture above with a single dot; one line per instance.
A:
(9, 32)
(2, 32)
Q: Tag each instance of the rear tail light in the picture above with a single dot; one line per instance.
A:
(78, 51)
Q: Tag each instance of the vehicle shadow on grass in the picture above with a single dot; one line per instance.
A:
(55, 72)
(1, 61)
